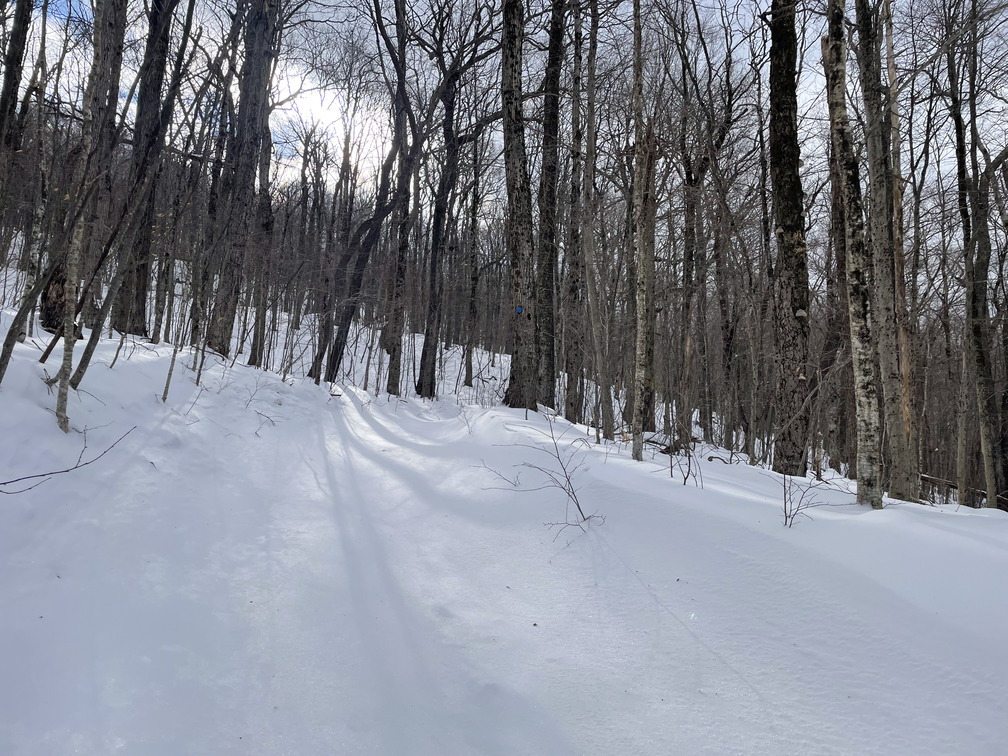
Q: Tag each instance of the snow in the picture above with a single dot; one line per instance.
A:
(270, 567)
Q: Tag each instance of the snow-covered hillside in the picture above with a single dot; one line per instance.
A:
(263, 567)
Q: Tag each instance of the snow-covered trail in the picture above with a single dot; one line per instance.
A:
(411, 688)
(265, 569)
(254, 608)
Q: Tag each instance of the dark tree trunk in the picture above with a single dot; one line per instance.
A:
(130, 309)
(392, 334)
(546, 250)
(427, 378)
(836, 377)
(262, 237)
(573, 300)
(791, 287)
(13, 68)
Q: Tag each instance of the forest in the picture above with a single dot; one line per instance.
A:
(779, 228)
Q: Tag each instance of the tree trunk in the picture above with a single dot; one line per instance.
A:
(262, 237)
(643, 389)
(791, 271)
(473, 263)
(546, 250)
(858, 263)
(903, 477)
(600, 340)
(573, 301)
(903, 325)
(978, 331)
(521, 390)
(427, 379)
(13, 68)
(392, 336)
(644, 232)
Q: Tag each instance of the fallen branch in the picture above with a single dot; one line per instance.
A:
(48, 475)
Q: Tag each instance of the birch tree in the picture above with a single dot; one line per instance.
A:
(858, 261)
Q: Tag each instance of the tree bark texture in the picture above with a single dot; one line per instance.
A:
(546, 249)
(521, 390)
(573, 299)
(644, 232)
(902, 474)
(858, 264)
(791, 270)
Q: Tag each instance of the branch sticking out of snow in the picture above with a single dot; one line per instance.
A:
(41, 478)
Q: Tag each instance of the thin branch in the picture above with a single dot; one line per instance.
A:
(48, 475)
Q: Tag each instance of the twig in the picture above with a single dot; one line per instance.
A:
(198, 395)
(562, 526)
(48, 475)
(795, 505)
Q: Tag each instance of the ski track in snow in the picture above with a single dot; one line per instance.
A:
(265, 569)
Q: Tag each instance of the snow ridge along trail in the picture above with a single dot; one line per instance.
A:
(267, 569)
